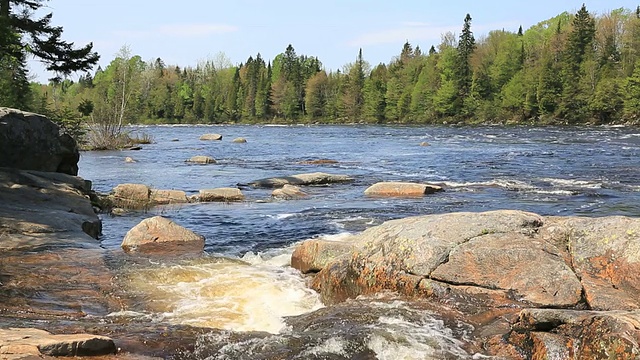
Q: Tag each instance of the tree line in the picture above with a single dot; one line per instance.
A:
(570, 69)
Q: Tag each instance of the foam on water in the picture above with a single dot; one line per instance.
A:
(225, 294)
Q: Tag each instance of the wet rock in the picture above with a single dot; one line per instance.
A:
(36, 342)
(158, 235)
(401, 189)
(135, 148)
(424, 143)
(316, 178)
(288, 192)
(203, 160)
(221, 195)
(129, 160)
(239, 140)
(32, 142)
(211, 137)
(175, 139)
(167, 197)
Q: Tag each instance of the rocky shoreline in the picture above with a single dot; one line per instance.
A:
(528, 286)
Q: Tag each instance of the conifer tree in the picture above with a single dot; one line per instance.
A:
(464, 73)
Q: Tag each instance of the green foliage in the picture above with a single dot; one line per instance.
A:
(570, 69)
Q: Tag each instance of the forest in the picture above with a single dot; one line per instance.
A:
(570, 69)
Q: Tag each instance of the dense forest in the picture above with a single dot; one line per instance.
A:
(571, 69)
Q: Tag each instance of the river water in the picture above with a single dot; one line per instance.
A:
(245, 283)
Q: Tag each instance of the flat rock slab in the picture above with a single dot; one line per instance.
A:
(316, 178)
(214, 137)
(37, 342)
(221, 195)
(401, 189)
(288, 192)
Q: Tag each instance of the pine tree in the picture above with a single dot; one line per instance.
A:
(43, 40)
(464, 73)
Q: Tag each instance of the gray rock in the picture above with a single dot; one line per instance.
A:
(32, 142)
(401, 189)
(316, 178)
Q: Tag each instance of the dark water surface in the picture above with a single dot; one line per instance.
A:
(551, 171)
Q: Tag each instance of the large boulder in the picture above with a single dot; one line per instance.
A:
(159, 235)
(168, 197)
(401, 189)
(316, 178)
(32, 142)
(505, 256)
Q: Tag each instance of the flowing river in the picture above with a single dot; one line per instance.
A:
(245, 283)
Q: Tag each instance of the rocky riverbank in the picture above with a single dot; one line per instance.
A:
(534, 287)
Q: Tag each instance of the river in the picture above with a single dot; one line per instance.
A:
(245, 284)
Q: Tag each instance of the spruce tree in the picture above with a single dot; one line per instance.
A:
(464, 74)
(43, 40)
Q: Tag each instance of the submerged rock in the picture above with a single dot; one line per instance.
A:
(319, 162)
(316, 178)
(33, 142)
(239, 140)
(159, 235)
(401, 189)
(203, 160)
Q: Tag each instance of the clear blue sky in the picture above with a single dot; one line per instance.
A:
(184, 32)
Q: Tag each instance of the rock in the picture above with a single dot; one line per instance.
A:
(36, 203)
(202, 160)
(135, 148)
(129, 160)
(605, 253)
(570, 334)
(167, 197)
(131, 196)
(314, 255)
(288, 192)
(211, 137)
(32, 142)
(401, 189)
(221, 194)
(239, 140)
(424, 143)
(317, 178)
(175, 139)
(532, 269)
(158, 235)
(14, 341)
(318, 162)
(398, 254)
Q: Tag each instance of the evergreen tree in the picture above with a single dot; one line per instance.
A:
(464, 73)
(579, 47)
(43, 40)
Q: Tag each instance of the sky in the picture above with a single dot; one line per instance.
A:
(189, 31)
